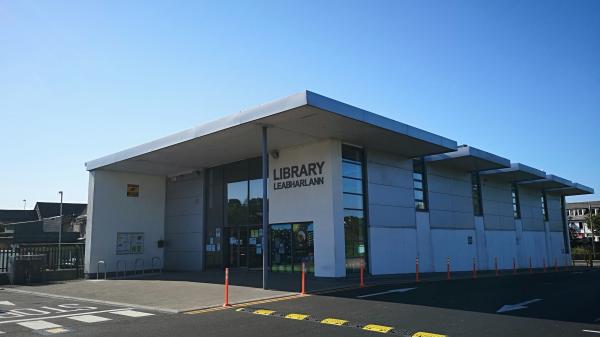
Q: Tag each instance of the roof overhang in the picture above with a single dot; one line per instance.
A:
(576, 189)
(468, 158)
(517, 172)
(299, 119)
(548, 183)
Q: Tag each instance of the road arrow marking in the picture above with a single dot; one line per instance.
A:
(6, 303)
(403, 290)
(518, 306)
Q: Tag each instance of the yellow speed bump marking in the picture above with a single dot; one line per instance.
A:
(264, 312)
(57, 330)
(427, 334)
(299, 317)
(334, 321)
(377, 328)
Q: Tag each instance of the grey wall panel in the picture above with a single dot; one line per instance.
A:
(531, 209)
(450, 200)
(390, 191)
(184, 223)
(555, 222)
(497, 204)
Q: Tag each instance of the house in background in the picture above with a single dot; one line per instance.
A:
(41, 225)
(577, 213)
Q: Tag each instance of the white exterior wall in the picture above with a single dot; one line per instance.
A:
(111, 211)
(184, 223)
(499, 223)
(392, 229)
(556, 244)
(451, 218)
(533, 241)
(320, 204)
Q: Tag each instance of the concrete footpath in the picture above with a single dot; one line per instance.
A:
(179, 292)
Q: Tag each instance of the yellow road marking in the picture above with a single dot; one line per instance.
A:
(299, 317)
(334, 321)
(377, 328)
(427, 334)
(263, 312)
(57, 330)
(269, 300)
(201, 311)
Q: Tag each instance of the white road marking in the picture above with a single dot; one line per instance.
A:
(59, 316)
(131, 313)
(592, 331)
(39, 325)
(403, 290)
(518, 306)
(89, 318)
(6, 303)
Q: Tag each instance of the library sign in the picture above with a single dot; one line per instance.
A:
(304, 175)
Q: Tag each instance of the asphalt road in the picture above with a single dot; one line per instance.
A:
(552, 304)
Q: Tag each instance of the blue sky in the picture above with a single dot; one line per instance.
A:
(79, 80)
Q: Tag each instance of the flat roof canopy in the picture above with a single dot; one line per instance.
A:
(517, 172)
(576, 189)
(469, 159)
(550, 182)
(299, 119)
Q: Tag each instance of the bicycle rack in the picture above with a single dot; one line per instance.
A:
(136, 264)
(124, 269)
(100, 262)
(159, 264)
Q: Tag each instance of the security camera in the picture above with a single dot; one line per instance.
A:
(275, 154)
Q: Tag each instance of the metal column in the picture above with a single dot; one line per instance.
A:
(265, 209)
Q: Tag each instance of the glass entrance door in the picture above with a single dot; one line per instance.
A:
(291, 245)
(243, 247)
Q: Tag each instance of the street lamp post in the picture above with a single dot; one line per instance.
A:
(591, 224)
(60, 228)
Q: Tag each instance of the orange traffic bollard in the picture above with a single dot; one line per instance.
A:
(474, 269)
(226, 304)
(544, 261)
(362, 275)
(496, 265)
(448, 269)
(303, 291)
(417, 270)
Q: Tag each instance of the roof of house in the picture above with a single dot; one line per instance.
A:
(17, 215)
(50, 209)
(583, 204)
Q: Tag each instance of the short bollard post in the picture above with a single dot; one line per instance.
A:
(514, 266)
(417, 270)
(226, 304)
(362, 275)
(448, 269)
(530, 266)
(303, 291)
(496, 265)
(474, 269)
(544, 262)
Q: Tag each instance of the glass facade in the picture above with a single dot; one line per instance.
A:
(476, 194)
(515, 201)
(354, 207)
(420, 184)
(291, 245)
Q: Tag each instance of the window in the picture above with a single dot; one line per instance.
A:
(420, 184)
(544, 206)
(515, 201)
(354, 207)
(476, 194)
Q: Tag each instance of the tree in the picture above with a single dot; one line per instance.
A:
(593, 222)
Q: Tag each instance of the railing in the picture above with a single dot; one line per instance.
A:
(71, 256)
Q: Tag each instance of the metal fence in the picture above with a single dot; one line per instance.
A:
(71, 255)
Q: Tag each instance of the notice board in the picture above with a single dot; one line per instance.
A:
(130, 243)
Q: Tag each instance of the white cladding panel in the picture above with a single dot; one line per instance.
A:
(501, 245)
(390, 191)
(393, 250)
(450, 199)
(184, 223)
(531, 208)
(111, 211)
(555, 213)
(453, 244)
(497, 204)
(320, 204)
